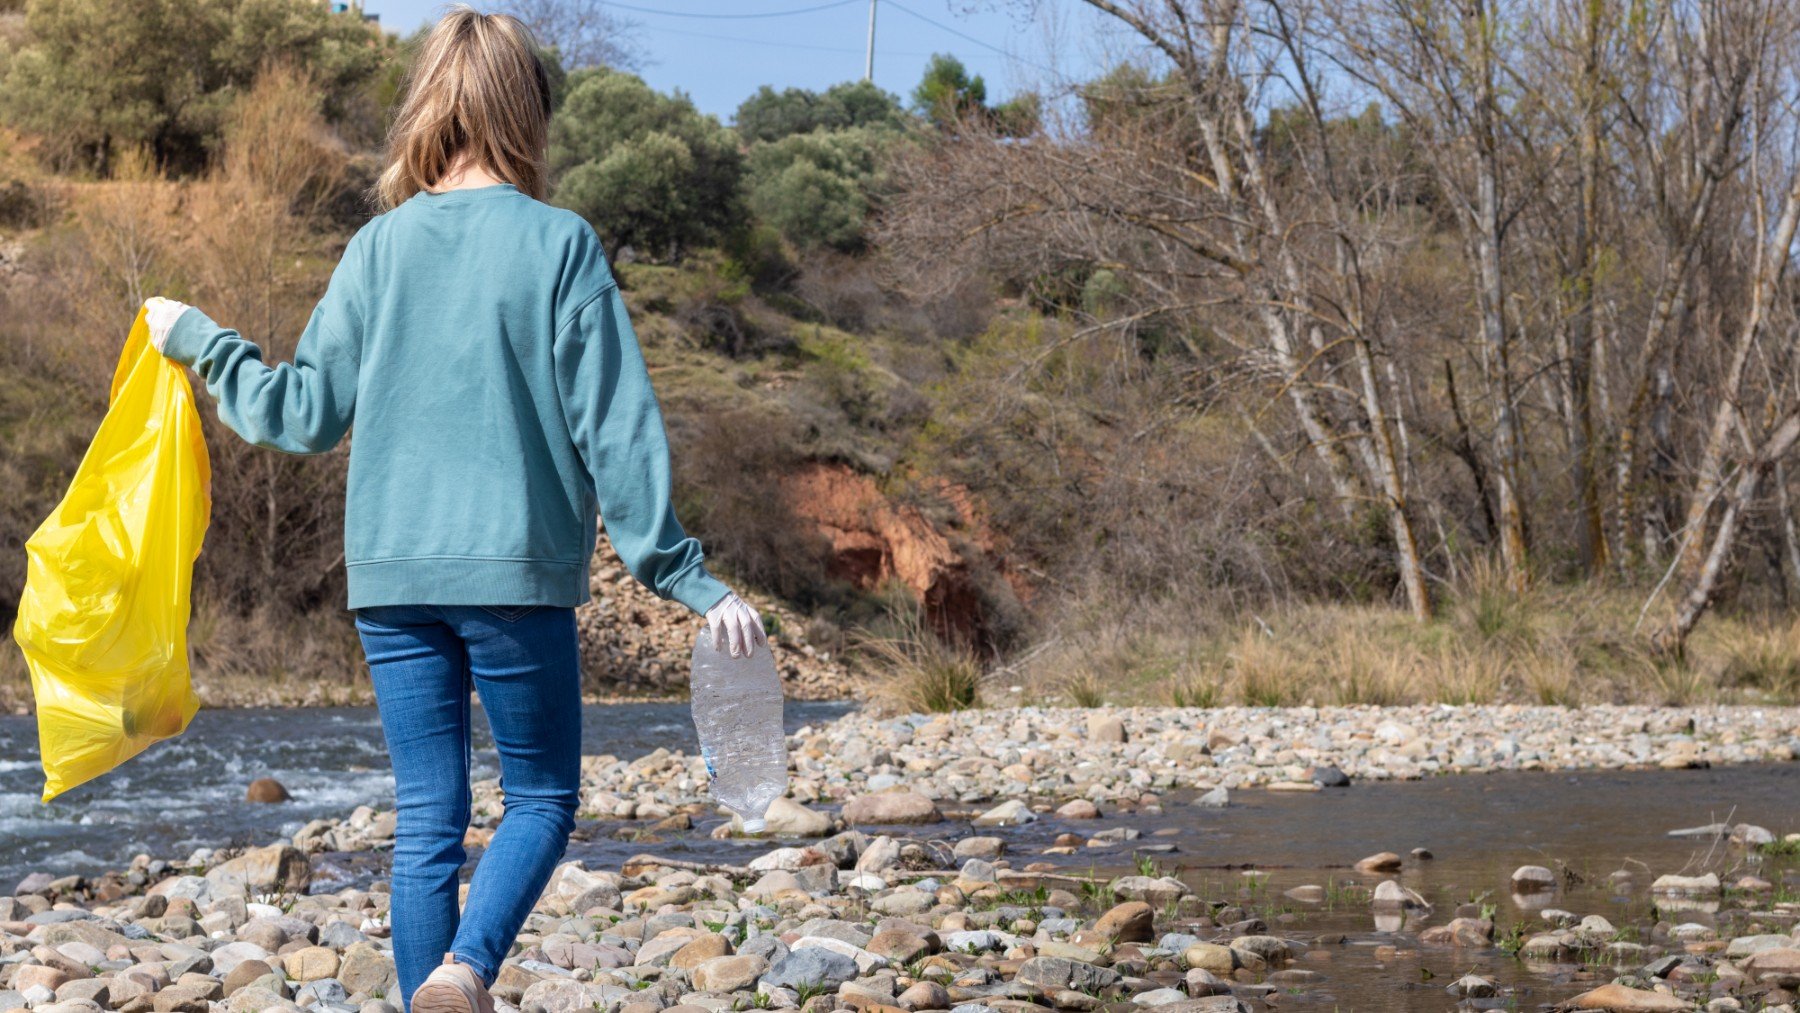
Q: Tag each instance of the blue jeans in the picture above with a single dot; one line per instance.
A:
(522, 660)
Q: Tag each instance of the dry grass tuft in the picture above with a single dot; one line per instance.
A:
(915, 671)
(1553, 645)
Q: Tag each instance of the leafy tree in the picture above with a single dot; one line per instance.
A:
(947, 92)
(770, 115)
(93, 74)
(1019, 116)
(647, 169)
(1127, 100)
(818, 188)
(866, 105)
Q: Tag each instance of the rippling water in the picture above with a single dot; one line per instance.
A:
(188, 792)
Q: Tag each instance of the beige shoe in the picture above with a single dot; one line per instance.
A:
(452, 988)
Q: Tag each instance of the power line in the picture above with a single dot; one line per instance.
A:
(733, 17)
(769, 42)
(965, 36)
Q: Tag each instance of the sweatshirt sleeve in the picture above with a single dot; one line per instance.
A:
(302, 407)
(618, 429)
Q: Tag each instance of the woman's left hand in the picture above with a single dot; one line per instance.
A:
(733, 621)
(161, 315)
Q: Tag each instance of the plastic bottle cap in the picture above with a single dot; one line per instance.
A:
(755, 826)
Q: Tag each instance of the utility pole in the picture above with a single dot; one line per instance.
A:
(869, 63)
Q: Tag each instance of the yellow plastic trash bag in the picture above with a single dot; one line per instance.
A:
(103, 620)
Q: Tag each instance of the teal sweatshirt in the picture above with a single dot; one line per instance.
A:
(477, 341)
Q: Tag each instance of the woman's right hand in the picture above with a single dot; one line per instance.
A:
(161, 315)
(733, 621)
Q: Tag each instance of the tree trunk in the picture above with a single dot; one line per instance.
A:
(1685, 233)
(1728, 415)
(1489, 255)
(1590, 532)
(1672, 638)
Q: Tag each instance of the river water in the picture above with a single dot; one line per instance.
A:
(1586, 825)
(188, 792)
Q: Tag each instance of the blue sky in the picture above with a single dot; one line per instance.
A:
(720, 61)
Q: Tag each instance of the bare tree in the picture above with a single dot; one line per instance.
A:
(1174, 193)
(1439, 65)
(584, 33)
(1681, 104)
(1753, 426)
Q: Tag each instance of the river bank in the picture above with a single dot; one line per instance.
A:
(938, 863)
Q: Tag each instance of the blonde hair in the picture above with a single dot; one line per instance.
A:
(476, 86)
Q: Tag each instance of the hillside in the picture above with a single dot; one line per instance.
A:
(789, 438)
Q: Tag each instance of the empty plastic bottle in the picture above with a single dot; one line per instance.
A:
(737, 711)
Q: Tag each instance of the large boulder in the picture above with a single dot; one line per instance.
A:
(891, 808)
(1010, 813)
(1155, 891)
(813, 967)
(582, 889)
(728, 974)
(1130, 922)
(1054, 973)
(699, 950)
(788, 818)
(566, 995)
(311, 963)
(367, 970)
(1699, 886)
(266, 790)
(1620, 999)
(277, 868)
(1779, 967)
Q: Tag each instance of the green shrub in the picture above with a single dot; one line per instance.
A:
(96, 75)
(817, 189)
(770, 115)
(647, 169)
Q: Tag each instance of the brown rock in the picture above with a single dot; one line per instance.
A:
(891, 808)
(366, 969)
(1385, 861)
(699, 950)
(925, 995)
(899, 945)
(311, 963)
(1130, 922)
(1780, 967)
(1459, 932)
(244, 973)
(27, 975)
(1620, 999)
(187, 997)
(1079, 809)
(91, 933)
(266, 789)
(728, 974)
(1104, 727)
(92, 989)
(272, 869)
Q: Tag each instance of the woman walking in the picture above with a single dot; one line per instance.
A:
(477, 340)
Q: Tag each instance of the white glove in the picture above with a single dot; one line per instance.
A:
(734, 622)
(161, 315)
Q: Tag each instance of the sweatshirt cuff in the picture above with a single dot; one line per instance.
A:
(698, 590)
(187, 339)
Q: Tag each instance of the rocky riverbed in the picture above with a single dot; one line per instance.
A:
(925, 890)
(1128, 756)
